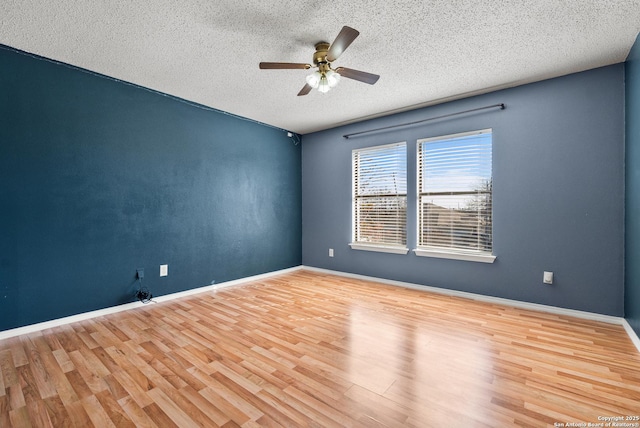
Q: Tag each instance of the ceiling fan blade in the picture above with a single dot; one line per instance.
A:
(305, 90)
(283, 66)
(342, 42)
(358, 75)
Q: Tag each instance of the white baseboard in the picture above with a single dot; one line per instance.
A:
(632, 334)
(489, 299)
(479, 297)
(114, 309)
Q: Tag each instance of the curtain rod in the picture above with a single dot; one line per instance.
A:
(501, 105)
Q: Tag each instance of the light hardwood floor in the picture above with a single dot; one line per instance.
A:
(310, 349)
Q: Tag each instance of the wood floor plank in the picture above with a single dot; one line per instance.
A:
(217, 416)
(130, 377)
(227, 406)
(133, 388)
(115, 388)
(136, 414)
(28, 385)
(179, 401)
(117, 415)
(96, 412)
(343, 409)
(20, 418)
(57, 412)
(313, 415)
(312, 349)
(38, 415)
(43, 380)
(78, 384)
(92, 380)
(63, 360)
(159, 417)
(78, 415)
(4, 411)
(18, 353)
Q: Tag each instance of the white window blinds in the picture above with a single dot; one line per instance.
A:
(380, 195)
(455, 192)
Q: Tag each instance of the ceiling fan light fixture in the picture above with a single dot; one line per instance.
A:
(313, 79)
(333, 78)
(323, 80)
(324, 84)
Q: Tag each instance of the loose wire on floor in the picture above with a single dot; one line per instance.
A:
(143, 294)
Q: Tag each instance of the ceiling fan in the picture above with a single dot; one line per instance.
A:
(325, 77)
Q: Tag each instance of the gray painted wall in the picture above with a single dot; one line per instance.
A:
(632, 189)
(558, 155)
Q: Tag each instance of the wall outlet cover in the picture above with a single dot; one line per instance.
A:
(139, 273)
(164, 270)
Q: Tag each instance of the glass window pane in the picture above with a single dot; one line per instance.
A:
(456, 188)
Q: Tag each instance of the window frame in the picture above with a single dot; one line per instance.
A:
(399, 248)
(445, 252)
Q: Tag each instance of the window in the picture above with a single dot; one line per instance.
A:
(455, 197)
(380, 198)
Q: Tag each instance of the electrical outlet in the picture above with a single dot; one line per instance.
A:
(330, 252)
(547, 277)
(164, 270)
(139, 273)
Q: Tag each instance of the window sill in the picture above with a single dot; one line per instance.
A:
(441, 254)
(378, 248)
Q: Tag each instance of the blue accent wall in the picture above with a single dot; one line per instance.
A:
(632, 189)
(99, 177)
(558, 156)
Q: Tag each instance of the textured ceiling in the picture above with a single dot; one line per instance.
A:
(425, 51)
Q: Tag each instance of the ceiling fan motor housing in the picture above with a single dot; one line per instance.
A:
(320, 56)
